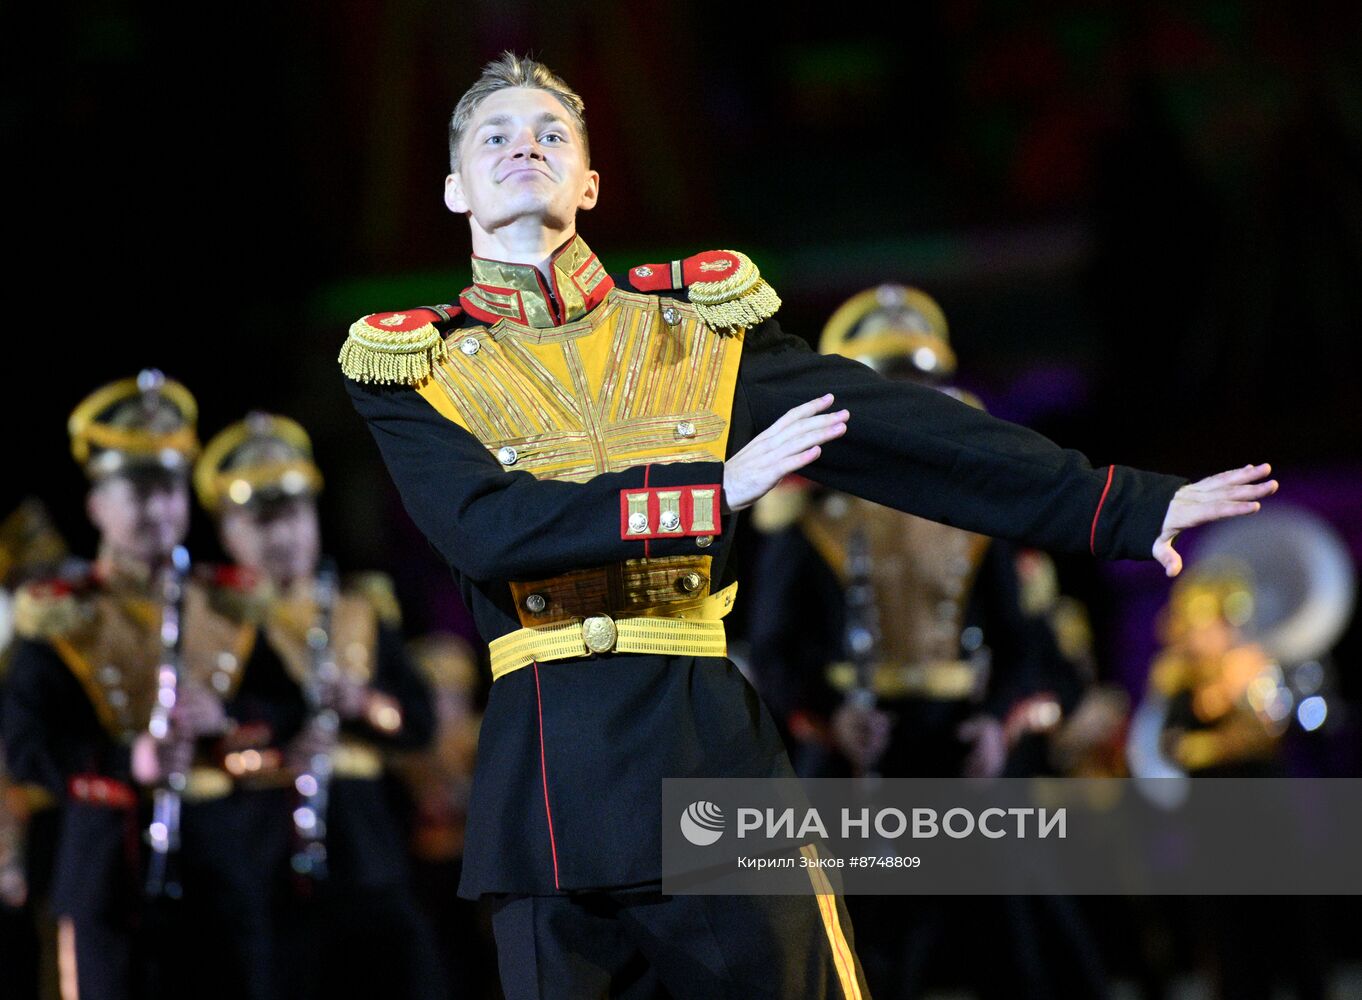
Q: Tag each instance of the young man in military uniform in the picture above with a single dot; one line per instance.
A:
(898, 646)
(80, 705)
(354, 697)
(948, 650)
(576, 447)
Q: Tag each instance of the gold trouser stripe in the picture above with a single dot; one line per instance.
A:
(843, 958)
(67, 981)
(699, 633)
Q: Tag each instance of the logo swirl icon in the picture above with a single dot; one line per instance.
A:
(702, 823)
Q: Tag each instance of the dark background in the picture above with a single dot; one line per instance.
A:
(1144, 220)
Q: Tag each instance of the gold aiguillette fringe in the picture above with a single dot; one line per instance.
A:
(386, 356)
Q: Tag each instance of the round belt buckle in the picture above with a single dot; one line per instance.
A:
(599, 633)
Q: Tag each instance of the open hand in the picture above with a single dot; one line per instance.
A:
(988, 746)
(789, 444)
(1215, 498)
(197, 713)
(347, 696)
(862, 734)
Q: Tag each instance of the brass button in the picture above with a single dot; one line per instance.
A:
(690, 582)
(704, 541)
(671, 315)
(470, 346)
(685, 429)
(536, 603)
(507, 455)
(599, 633)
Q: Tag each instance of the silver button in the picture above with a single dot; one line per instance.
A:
(690, 582)
(644, 271)
(118, 699)
(671, 315)
(469, 346)
(227, 662)
(685, 429)
(638, 523)
(704, 541)
(109, 675)
(221, 681)
(670, 520)
(536, 603)
(507, 455)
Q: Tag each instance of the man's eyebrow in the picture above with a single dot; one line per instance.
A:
(502, 120)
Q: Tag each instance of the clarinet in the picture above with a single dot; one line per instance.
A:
(314, 783)
(862, 635)
(163, 833)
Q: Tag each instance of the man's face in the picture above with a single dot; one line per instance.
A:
(521, 159)
(282, 540)
(141, 517)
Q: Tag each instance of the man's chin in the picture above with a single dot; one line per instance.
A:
(529, 210)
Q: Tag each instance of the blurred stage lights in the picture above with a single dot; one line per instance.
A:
(1312, 712)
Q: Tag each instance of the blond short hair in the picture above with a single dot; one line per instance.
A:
(512, 70)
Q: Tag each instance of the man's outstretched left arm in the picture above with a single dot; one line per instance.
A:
(919, 450)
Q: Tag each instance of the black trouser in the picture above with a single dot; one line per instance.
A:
(639, 946)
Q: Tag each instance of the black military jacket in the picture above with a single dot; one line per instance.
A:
(572, 754)
(56, 736)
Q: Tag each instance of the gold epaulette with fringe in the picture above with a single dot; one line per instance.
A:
(725, 287)
(50, 608)
(377, 589)
(395, 347)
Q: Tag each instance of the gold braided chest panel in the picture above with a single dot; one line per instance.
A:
(354, 636)
(115, 653)
(921, 573)
(640, 380)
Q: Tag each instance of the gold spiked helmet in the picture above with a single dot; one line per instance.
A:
(890, 327)
(263, 458)
(147, 422)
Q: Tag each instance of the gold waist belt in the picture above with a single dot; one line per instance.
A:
(205, 783)
(354, 760)
(694, 631)
(944, 680)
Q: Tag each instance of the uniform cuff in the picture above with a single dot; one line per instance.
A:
(1130, 511)
(677, 500)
